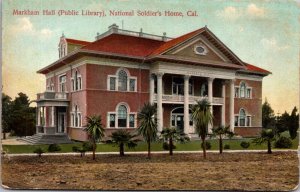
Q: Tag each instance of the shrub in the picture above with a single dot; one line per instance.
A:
(208, 145)
(75, 148)
(39, 151)
(226, 146)
(54, 147)
(283, 142)
(87, 146)
(166, 146)
(245, 144)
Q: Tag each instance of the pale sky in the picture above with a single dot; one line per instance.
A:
(263, 32)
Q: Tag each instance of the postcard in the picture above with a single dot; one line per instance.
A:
(150, 95)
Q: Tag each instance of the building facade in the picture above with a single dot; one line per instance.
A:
(120, 71)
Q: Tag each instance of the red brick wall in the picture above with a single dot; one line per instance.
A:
(247, 131)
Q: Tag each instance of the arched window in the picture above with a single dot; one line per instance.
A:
(122, 83)
(122, 116)
(76, 81)
(76, 117)
(242, 117)
(242, 90)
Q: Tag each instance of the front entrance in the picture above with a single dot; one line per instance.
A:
(178, 122)
(61, 122)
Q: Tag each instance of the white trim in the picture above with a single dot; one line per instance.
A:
(248, 77)
(203, 47)
(135, 83)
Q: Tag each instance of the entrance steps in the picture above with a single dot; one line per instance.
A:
(46, 139)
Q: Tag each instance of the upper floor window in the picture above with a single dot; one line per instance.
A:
(122, 81)
(50, 85)
(243, 91)
(76, 81)
(178, 86)
(204, 90)
(121, 118)
(62, 83)
(76, 118)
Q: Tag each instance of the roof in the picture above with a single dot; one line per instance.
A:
(77, 42)
(167, 45)
(125, 45)
(253, 68)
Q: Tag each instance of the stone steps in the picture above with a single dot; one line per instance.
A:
(46, 139)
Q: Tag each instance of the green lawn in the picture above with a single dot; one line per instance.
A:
(157, 146)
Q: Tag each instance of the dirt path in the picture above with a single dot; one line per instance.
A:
(238, 171)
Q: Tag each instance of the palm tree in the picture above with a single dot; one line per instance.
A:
(266, 136)
(123, 137)
(202, 116)
(148, 124)
(221, 132)
(95, 130)
(171, 134)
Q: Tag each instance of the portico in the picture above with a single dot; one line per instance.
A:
(186, 87)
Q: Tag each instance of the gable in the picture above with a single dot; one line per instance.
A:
(190, 49)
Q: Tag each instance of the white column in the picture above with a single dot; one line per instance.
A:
(52, 115)
(186, 104)
(151, 90)
(231, 105)
(38, 116)
(223, 106)
(45, 116)
(210, 99)
(159, 102)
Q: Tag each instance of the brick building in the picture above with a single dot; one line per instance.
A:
(121, 70)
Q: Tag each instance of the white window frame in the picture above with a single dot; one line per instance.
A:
(60, 84)
(116, 117)
(116, 76)
(75, 114)
(246, 119)
(73, 81)
(238, 95)
(250, 92)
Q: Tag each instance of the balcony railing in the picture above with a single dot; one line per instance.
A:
(52, 96)
(192, 99)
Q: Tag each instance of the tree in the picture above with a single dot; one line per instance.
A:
(148, 124)
(282, 123)
(122, 138)
(266, 136)
(95, 130)
(202, 116)
(221, 132)
(293, 123)
(171, 135)
(268, 118)
(6, 114)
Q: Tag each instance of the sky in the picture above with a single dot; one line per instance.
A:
(261, 32)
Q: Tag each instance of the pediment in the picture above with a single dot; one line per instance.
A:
(198, 48)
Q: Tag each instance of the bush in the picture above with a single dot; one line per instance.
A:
(87, 146)
(245, 144)
(79, 149)
(208, 145)
(226, 146)
(75, 148)
(283, 142)
(166, 146)
(39, 151)
(53, 148)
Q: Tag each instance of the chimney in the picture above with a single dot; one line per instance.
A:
(164, 37)
(141, 32)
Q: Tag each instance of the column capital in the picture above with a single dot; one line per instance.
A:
(159, 74)
(187, 77)
(210, 79)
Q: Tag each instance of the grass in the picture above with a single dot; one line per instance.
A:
(156, 146)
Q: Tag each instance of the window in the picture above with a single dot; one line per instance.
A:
(248, 121)
(248, 93)
(132, 85)
(204, 90)
(112, 119)
(112, 83)
(242, 90)
(173, 120)
(178, 86)
(242, 118)
(76, 117)
(200, 50)
(62, 83)
(122, 83)
(236, 120)
(191, 120)
(76, 81)
(236, 92)
(131, 120)
(122, 116)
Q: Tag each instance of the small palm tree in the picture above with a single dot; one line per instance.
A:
(148, 124)
(266, 136)
(95, 130)
(202, 116)
(221, 132)
(123, 137)
(171, 134)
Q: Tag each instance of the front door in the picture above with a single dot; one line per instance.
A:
(179, 123)
(61, 122)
